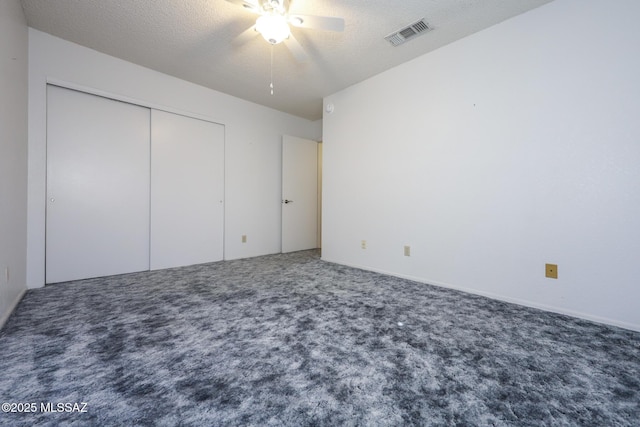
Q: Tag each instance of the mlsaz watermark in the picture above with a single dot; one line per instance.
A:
(22, 407)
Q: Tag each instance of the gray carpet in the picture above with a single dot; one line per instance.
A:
(292, 340)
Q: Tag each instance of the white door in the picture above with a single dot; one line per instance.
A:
(299, 194)
(97, 186)
(187, 190)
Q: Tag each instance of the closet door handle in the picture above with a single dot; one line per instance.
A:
(288, 201)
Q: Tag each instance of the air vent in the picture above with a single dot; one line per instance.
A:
(404, 34)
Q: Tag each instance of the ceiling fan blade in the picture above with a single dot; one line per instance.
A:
(327, 23)
(251, 6)
(245, 36)
(296, 49)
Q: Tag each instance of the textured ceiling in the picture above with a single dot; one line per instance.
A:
(192, 40)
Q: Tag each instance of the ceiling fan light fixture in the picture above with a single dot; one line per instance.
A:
(274, 28)
(297, 21)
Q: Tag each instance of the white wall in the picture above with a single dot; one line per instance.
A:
(252, 139)
(512, 148)
(13, 154)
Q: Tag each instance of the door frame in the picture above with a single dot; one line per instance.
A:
(317, 200)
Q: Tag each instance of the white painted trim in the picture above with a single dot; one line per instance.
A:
(497, 297)
(129, 100)
(11, 308)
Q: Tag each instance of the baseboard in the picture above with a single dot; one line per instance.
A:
(544, 307)
(498, 297)
(12, 307)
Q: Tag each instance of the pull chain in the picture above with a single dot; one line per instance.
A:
(271, 85)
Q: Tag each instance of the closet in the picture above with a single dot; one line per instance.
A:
(187, 190)
(129, 188)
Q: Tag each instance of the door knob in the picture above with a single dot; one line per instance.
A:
(288, 201)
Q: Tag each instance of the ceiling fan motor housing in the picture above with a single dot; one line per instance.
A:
(275, 6)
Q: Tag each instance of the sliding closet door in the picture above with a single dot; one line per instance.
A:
(187, 190)
(97, 186)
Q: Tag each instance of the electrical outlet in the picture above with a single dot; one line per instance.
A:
(244, 238)
(551, 271)
(407, 251)
(363, 244)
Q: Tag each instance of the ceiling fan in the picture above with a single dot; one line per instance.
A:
(274, 20)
